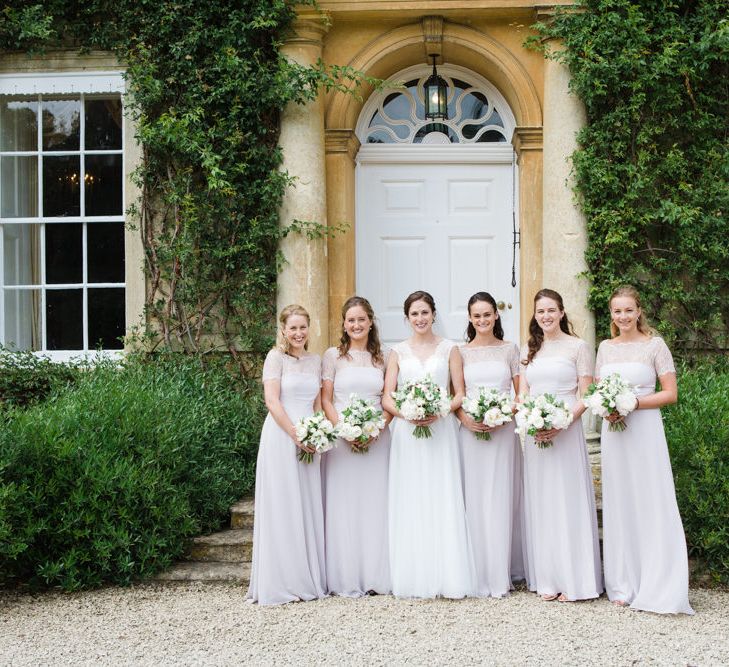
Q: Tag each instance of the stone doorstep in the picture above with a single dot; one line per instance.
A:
(241, 514)
(194, 571)
(228, 546)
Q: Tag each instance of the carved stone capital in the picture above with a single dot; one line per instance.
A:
(341, 141)
(309, 27)
(433, 37)
(527, 139)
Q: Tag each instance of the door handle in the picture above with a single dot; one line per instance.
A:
(501, 305)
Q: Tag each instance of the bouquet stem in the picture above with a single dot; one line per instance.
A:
(482, 435)
(305, 457)
(619, 426)
(543, 444)
(422, 432)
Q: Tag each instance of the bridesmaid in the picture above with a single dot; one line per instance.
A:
(492, 470)
(563, 555)
(646, 565)
(288, 530)
(355, 483)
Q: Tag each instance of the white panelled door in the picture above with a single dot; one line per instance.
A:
(443, 228)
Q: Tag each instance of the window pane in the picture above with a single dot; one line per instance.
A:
(103, 124)
(18, 126)
(61, 186)
(105, 244)
(22, 319)
(21, 254)
(64, 323)
(106, 318)
(19, 183)
(103, 185)
(61, 124)
(63, 253)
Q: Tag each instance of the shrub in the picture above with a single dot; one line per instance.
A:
(26, 378)
(104, 482)
(697, 429)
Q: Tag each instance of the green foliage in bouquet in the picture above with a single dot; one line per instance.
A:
(697, 430)
(206, 82)
(106, 481)
(652, 164)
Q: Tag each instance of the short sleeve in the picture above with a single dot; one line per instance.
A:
(600, 358)
(385, 355)
(273, 366)
(585, 360)
(523, 355)
(663, 360)
(328, 364)
(513, 360)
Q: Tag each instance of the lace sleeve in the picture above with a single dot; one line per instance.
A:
(273, 366)
(513, 360)
(328, 364)
(585, 360)
(522, 358)
(663, 360)
(599, 361)
(385, 356)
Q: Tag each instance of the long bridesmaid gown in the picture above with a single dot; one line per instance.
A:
(646, 564)
(493, 477)
(288, 529)
(430, 551)
(355, 486)
(563, 554)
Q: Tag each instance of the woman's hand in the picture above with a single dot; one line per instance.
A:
(300, 444)
(472, 425)
(424, 422)
(546, 434)
(615, 417)
(363, 445)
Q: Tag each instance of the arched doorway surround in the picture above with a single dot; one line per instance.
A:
(387, 54)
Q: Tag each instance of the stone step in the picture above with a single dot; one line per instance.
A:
(212, 571)
(241, 514)
(227, 546)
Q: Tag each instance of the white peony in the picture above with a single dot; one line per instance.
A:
(626, 402)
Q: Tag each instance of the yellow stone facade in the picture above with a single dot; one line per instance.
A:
(381, 38)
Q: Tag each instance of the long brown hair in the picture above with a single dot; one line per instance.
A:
(536, 335)
(642, 323)
(293, 309)
(374, 347)
(470, 329)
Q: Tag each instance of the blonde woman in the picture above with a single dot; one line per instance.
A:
(288, 532)
(646, 565)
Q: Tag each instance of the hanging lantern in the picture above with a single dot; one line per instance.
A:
(436, 96)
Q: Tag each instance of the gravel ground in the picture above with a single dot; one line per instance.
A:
(211, 624)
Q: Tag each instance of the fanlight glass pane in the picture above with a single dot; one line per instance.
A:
(435, 127)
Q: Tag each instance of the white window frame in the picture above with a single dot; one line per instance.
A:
(78, 86)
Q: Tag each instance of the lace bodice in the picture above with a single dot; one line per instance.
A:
(490, 365)
(332, 362)
(557, 366)
(436, 365)
(356, 374)
(652, 352)
(278, 364)
(300, 379)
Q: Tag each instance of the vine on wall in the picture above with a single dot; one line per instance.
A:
(206, 82)
(652, 165)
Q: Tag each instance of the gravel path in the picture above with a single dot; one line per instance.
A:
(210, 624)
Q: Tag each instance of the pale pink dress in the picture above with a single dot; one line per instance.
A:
(288, 530)
(355, 486)
(646, 564)
(563, 553)
(493, 477)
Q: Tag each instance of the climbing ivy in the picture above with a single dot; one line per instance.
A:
(206, 82)
(652, 164)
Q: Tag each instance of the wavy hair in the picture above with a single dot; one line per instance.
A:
(536, 335)
(642, 323)
(293, 309)
(498, 328)
(374, 347)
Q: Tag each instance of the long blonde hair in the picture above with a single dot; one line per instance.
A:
(642, 323)
(293, 309)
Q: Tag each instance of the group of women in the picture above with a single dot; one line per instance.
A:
(454, 515)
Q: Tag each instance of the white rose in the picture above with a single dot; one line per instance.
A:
(625, 403)
(301, 431)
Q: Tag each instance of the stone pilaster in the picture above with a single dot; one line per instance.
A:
(304, 277)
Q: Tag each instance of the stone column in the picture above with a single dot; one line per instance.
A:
(564, 230)
(341, 150)
(528, 146)
(303, 278)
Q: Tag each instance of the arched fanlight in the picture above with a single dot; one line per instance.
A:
(436, 96)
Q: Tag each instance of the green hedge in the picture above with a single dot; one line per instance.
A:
(26, 378)
(105, 481)
(697, 428)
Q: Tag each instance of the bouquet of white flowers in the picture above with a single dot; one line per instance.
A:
(612, 395)
(542, 413)
(418, 399)
(488, 406)
(315, 431)
(360, 421)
